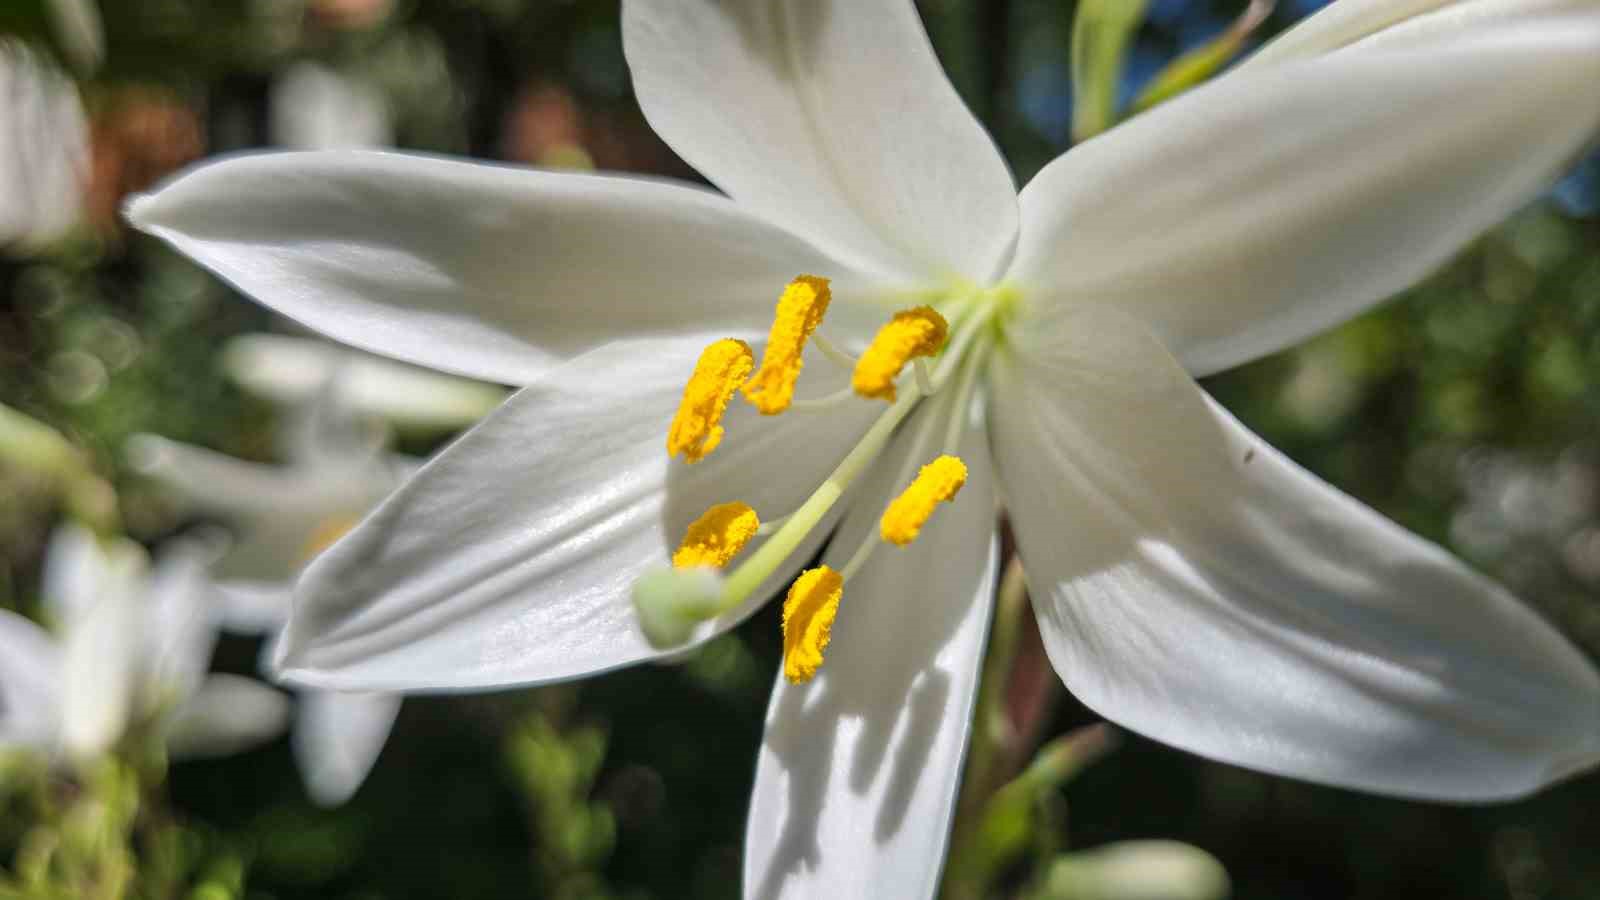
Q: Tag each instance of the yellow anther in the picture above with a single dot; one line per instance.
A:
(808, 614)
(717, 536)
(325, 535)
(938, 482)
(800, 311)
(919, 331)
(696, 429)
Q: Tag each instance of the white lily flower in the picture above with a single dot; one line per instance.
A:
(44, 149)
(1190, 582)
(285, 515)
(134, 648)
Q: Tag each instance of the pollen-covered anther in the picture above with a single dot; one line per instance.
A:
(937, 482)
(717, 536)
(697, 429)
(808, 614)
(919, 331)
(800, 310)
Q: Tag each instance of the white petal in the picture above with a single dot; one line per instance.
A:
(857, 775)
(102, 651)
(228, 714)
(30, 684)
(493, 272)
(182, 617)
(74, 573)
(833, 119)
(1195, 585)
(508, 559)
(80, 30)
(1355, 22)
(337, 737)
(1253, 212)
(316, 108)
(291, 371)
(44, 149)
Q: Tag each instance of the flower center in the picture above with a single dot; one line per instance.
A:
(944, 345)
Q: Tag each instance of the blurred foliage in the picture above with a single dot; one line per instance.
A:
(1467, 410)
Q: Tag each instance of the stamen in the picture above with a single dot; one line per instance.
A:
(717, 536)
(844, 360)
(696, 429)
(938, 482)
(800, 311)
(808, 614)
(919, 331)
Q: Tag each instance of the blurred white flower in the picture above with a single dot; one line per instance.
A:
(1189, 581)
(44, 150)
(133, 649)
(314, 107)
(339, 404)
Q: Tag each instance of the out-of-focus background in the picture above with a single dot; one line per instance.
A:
(1467, 410)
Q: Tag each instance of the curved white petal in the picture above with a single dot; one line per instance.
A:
(44, 149)
(1196, 586)
(857, 775)
(30, 684)
(75, 570)
(182, 617)
(292, 371)
(509, 558)
(493, 272)
(1356, 22)
(102, 650)
(79, 28)
(228, 714)
(337, 737)
(1253, 212)
(831, 118)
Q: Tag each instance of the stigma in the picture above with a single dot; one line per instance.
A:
(696, 429)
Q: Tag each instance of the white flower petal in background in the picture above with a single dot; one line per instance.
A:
(44, 150)
(30, 684)
(1138, 870)
(1300, 219)
(833, 119)
(314, 107)
(448, 585)
(1368, 22)
(337, 738)
(227, 714)
(859, 768)
(480, 270)
(80, 31)
(1196, 586)
(102, 647)
(292, 372)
